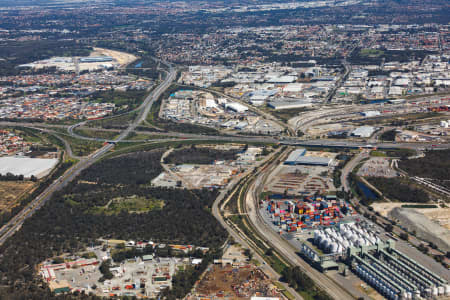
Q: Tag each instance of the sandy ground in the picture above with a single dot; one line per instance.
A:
(12, 191)
(385, 207)
(440, 215)
(121, 57)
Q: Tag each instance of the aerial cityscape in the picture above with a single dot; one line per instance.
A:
(210, 149)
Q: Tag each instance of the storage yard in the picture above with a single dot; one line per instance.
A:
(303, 173)
(377, 167)
(37, 167)
(233, 277)
(235, 282)
(215, 175)
(332, 237)
(142, 276)
(197, 176)
(309, 213)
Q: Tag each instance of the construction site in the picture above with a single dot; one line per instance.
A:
(234, 277)
(378, 167)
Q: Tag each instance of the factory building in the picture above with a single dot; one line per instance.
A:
(370, 113)
(297, 157)
(294, 156)
(92, 59)
(287, 104)
(393, 274)
(363, 131)
(237, 107)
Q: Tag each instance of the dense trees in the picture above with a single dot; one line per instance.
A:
(434, 165)
(388, 135)
(195, 155)
(16, 53)
(124, 101)
(300, 281)
(64, 224)
(396, 189)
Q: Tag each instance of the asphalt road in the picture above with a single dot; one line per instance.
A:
(283, 246)
(16, 222)
(240, 238)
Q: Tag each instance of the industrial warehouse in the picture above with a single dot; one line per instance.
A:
(378, 263)
(297, 157)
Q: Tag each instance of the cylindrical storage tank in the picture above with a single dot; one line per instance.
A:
(334, 247)
(316, 233)
(324, 244)
(435, 291)
(345, 243)
(363, 274)
(317, 239)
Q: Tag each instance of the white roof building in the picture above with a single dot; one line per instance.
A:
(363, 131)
(237, 107)
(38, 167)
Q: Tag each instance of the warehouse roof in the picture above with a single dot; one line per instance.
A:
(310, 160)
(363, 131)
(295, 155)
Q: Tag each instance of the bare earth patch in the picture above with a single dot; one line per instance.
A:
(12, 191)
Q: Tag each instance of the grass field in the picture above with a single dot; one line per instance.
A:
(130, 204)
(107, 135)
(82, 147)
(371, 53)
(12, 191)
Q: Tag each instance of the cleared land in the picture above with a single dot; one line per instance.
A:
(238, 283)
(121, 57)
(425, 228)
(12, 191)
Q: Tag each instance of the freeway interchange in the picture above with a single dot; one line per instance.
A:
(255, 182)
(16, 222)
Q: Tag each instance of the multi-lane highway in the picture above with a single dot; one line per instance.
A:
(16, 222)
(238, 236)
(281, 245)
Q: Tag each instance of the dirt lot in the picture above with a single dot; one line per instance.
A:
(440, 215)
(235, 282)
(12, 191)
(121, 57)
